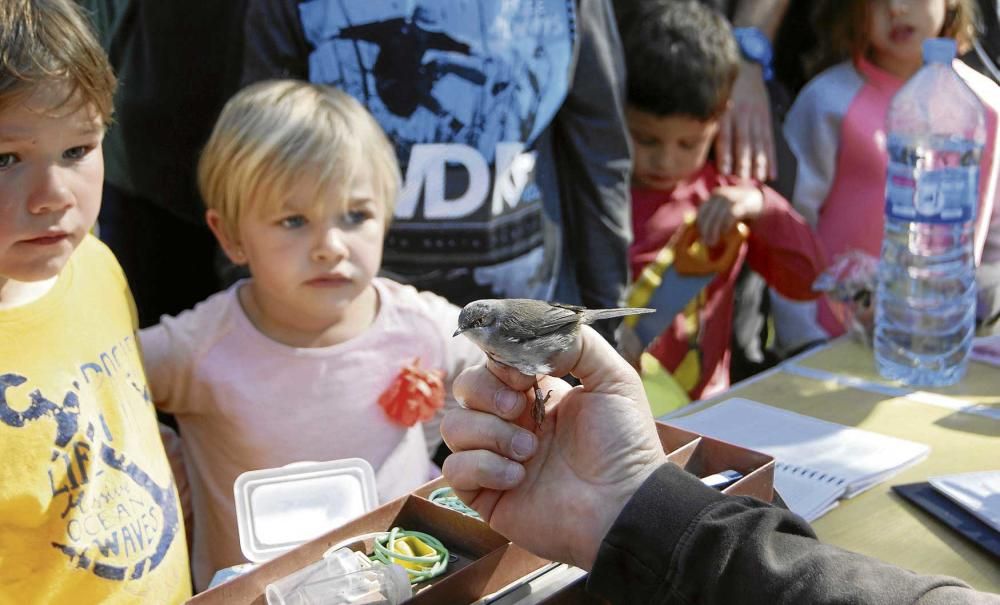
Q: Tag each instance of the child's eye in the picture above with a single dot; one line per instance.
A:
(356, 217)
(77, 153)
(7, 160)
(292, 222)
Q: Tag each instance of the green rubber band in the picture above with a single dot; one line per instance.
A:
(445, 496)
(384, 553)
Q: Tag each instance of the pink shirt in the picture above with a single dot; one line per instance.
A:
(246, 402)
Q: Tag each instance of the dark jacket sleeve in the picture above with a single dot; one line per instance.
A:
(593, 161)
(276, 46)
(678, 541)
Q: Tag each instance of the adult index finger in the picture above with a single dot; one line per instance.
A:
(500, 390)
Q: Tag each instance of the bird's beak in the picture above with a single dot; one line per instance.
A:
(457, 332)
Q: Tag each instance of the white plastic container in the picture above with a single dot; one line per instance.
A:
(278, 509)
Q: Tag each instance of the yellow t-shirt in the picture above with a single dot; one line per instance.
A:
(88, 507)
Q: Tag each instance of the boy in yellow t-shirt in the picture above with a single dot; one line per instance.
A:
(88, 507)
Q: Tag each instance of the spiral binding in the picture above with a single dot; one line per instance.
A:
(808, 473)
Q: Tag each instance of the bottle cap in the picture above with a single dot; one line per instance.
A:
(939, 50)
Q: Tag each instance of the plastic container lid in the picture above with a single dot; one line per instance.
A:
(939, 50)
(278, 509)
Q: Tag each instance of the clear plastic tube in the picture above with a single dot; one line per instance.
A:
(341, 577)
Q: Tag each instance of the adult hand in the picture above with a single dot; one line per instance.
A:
(556, 491)
(745, 143)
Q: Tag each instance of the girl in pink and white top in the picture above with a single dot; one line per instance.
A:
(836, 129)
(314, 357)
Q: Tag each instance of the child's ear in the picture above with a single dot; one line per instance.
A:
(230, 246)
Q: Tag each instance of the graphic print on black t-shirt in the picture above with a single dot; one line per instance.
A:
(463, 89)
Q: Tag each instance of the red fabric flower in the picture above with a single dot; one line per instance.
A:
(414, 395)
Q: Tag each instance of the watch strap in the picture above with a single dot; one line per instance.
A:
(756, 47)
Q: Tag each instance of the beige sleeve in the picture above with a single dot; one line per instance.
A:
(170, 350)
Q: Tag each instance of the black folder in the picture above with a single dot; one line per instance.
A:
(951, 514)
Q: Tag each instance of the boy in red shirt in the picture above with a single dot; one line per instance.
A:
(681, 62)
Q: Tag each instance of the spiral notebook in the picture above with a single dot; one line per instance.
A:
(816, 462)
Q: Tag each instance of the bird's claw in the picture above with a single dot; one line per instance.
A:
(538, 410)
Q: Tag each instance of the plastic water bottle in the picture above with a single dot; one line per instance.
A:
(926, 301)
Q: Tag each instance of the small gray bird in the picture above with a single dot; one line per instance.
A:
(526, 334)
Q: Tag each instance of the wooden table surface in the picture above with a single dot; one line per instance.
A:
(961, 424)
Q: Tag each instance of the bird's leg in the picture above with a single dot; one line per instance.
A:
(538, 410)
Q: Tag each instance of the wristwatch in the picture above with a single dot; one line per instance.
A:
(755, 47)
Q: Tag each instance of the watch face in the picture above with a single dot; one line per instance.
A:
(754, 45)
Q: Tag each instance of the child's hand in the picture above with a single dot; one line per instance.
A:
(727, 206)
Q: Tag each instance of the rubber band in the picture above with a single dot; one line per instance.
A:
(429, 557)
(445, 496)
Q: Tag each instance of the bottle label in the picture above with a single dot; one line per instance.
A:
(937, 184)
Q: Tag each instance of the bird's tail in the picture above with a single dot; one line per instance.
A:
(592, 315)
